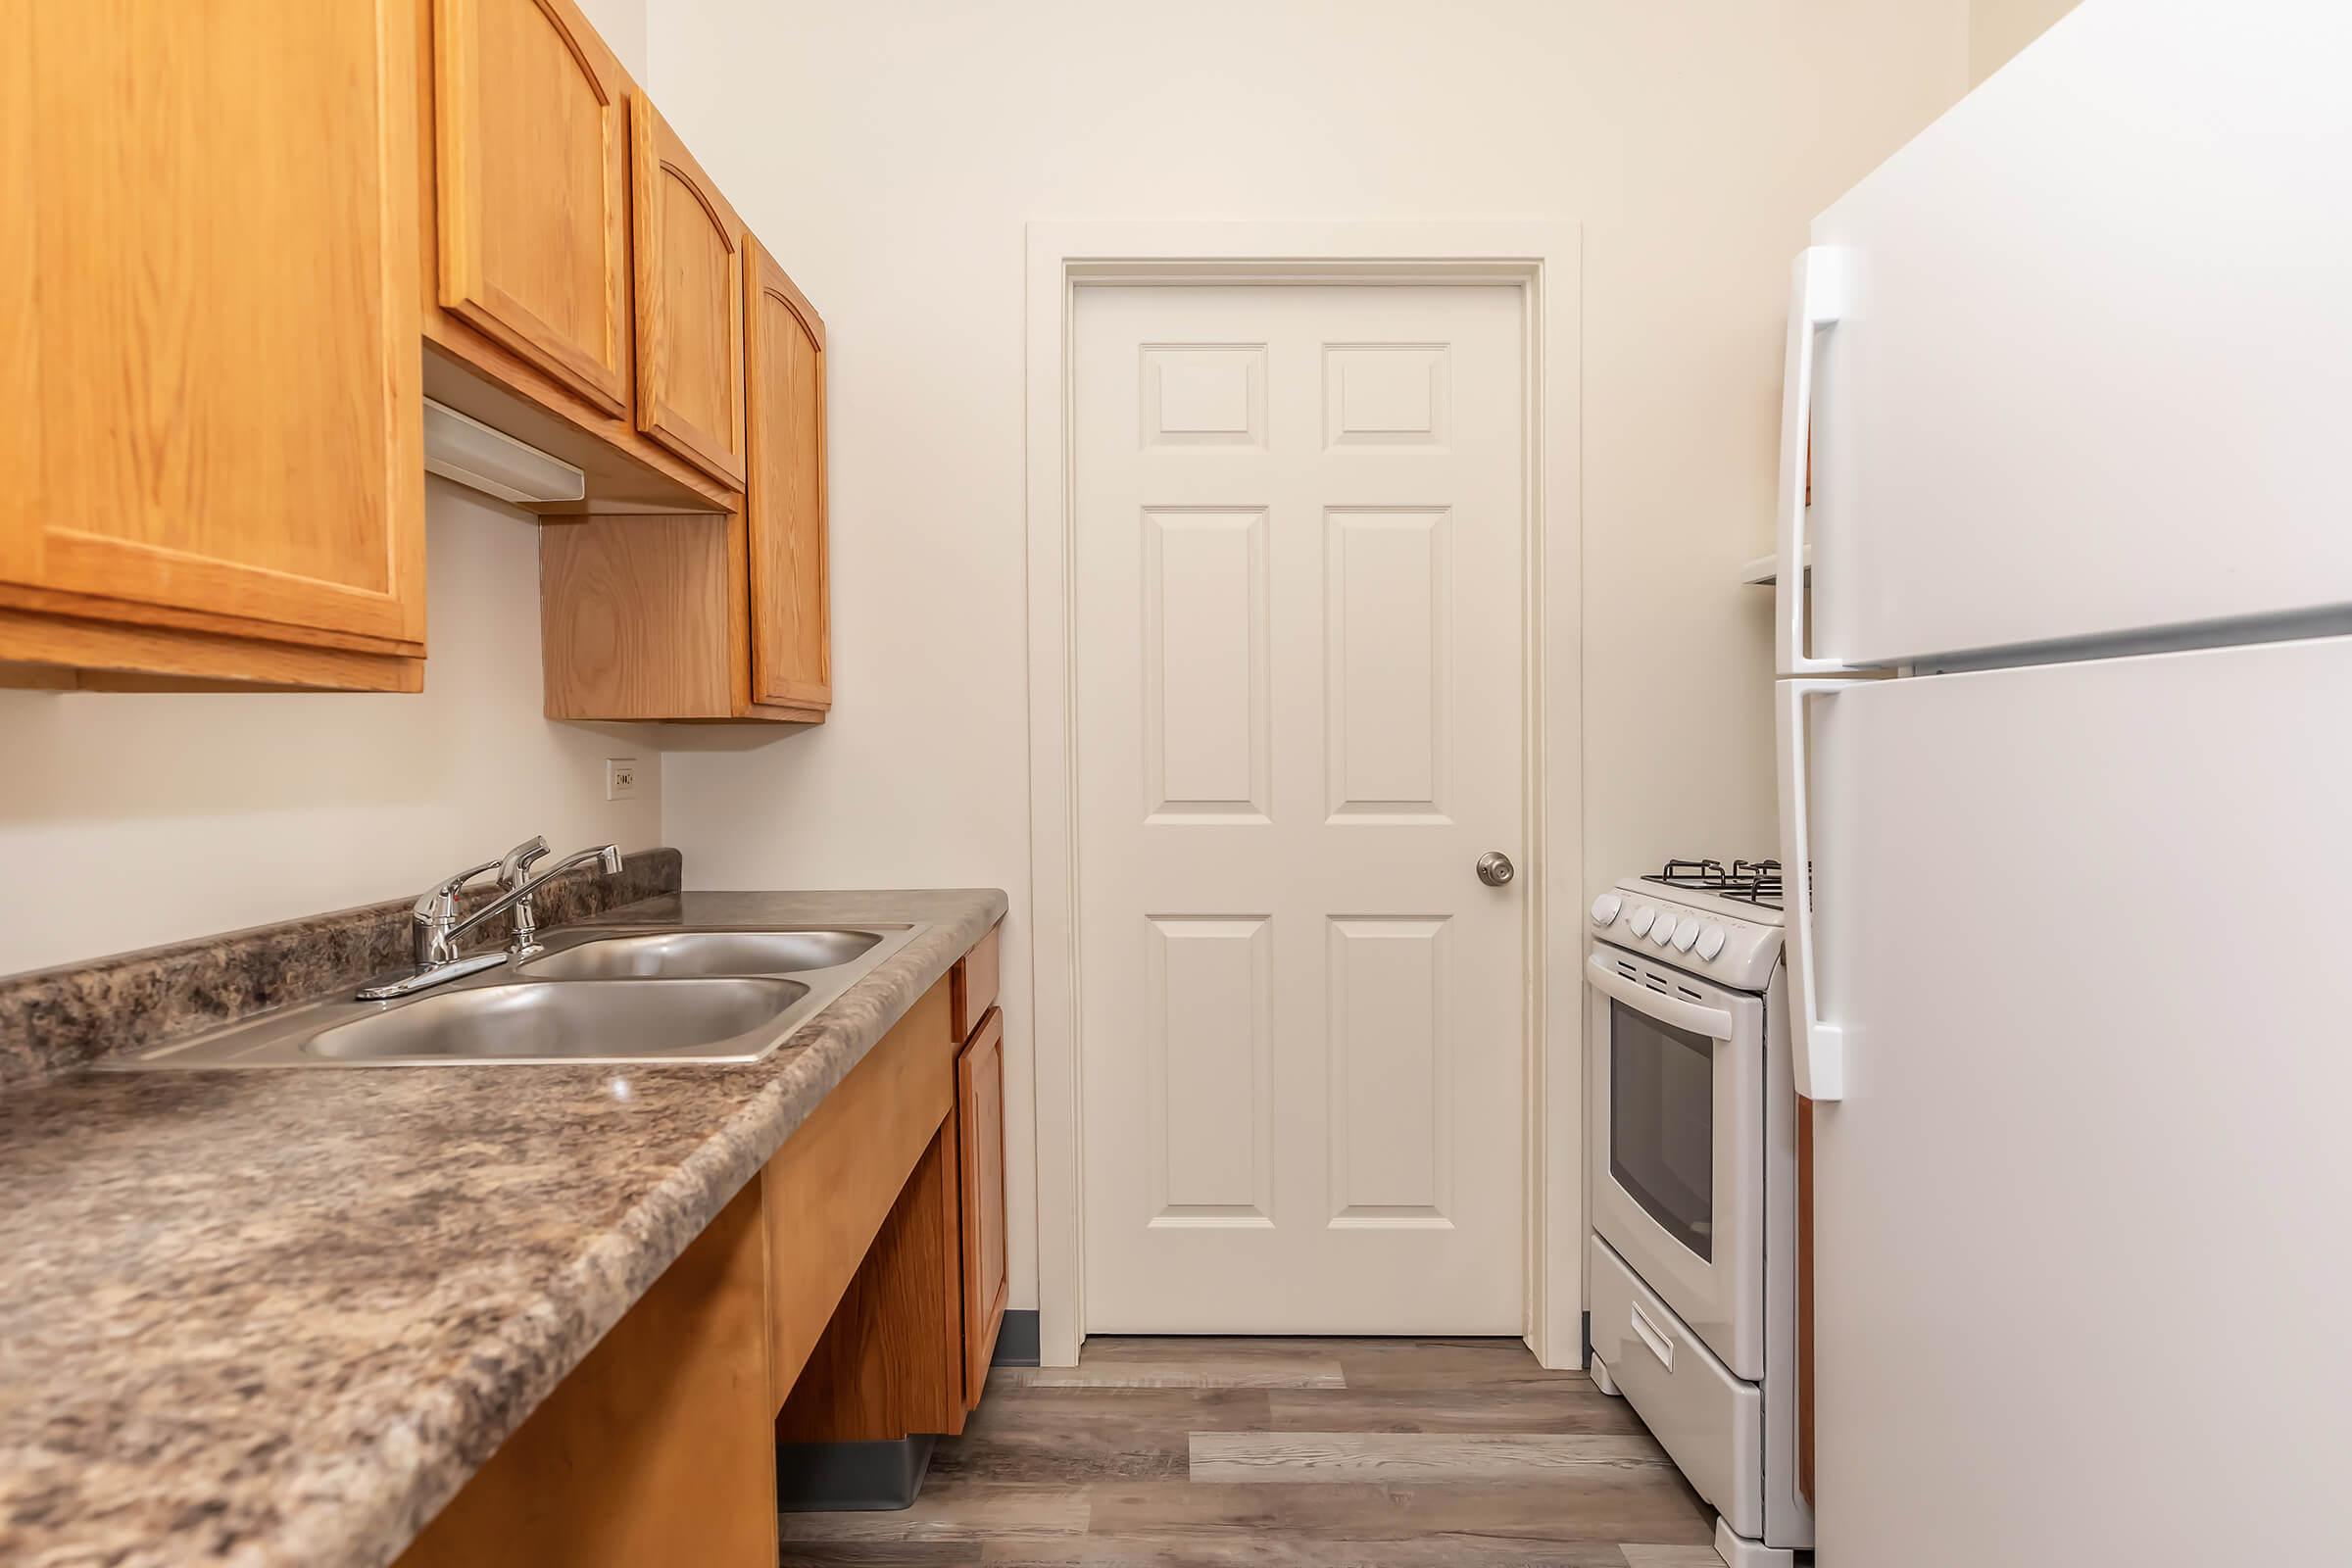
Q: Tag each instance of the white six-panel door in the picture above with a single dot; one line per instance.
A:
(1298, 547)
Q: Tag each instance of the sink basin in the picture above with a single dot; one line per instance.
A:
(671, 954)
(619, 1021)
(710, 994)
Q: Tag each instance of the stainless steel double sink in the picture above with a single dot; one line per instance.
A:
(596, 994)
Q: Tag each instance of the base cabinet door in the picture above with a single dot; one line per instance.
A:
(980, 1139)
(209, 330)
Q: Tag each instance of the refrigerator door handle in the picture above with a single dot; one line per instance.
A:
(1820, 1044)
(1817, 289)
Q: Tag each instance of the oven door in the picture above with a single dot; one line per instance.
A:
(1678, 1140)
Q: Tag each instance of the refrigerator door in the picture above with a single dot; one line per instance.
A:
(2088, 374)
(2082, 1262)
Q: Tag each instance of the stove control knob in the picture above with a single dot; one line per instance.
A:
(1710, 941)
(1662, 932)
(1640, 921)
(1685, 935)
(1605, 907)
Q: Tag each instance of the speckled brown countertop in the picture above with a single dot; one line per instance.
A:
(266, 1317)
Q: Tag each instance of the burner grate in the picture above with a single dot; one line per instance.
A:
(1756, 882)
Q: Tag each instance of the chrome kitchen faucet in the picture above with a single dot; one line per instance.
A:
(434, 925)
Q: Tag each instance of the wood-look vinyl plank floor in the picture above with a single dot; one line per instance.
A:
(1294, 1453)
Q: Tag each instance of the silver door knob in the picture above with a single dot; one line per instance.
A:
(1494, 868)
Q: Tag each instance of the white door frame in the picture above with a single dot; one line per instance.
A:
(1541, 258)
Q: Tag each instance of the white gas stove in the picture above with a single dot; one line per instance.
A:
(1723, 923)
(1693, 1285)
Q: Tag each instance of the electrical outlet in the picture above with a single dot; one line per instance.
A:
(621, 779)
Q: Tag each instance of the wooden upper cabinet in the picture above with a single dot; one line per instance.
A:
(531, 136)
(690, 264)
(784, 497)
(209, 300)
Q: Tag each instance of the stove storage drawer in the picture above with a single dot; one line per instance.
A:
(1711, 1422)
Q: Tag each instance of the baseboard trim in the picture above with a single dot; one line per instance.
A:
(1016, 1340)
(851, 1477)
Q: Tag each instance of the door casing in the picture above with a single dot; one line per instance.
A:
(1541, 258)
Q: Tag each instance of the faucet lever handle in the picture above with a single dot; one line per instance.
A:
(517, 861)
(438, 903)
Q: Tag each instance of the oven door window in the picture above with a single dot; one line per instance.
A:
(1662, 1123)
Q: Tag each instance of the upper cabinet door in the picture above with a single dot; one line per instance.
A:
(690, 293)
(209, 315)
(530, 117)
(792, 662)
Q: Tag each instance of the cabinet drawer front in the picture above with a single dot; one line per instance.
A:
(210, 334)
(1711, 1422)
(828, 1190)
(531, 116)
(974, 979)
(688, 254)
(784, 494)
(980, 1139)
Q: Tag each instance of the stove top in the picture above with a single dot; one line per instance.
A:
(1756, 882)
(1720, 921)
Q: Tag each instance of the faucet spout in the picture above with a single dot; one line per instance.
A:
(445, 943)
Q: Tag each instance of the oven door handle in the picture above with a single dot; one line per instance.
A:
(1713, 1022)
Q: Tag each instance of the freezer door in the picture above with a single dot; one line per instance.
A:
(2090, 373)
(2081, 1264)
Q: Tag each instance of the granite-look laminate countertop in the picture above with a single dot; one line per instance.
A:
(280, 1317)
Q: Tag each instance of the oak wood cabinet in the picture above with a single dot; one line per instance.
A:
(208, 344)
(980, 1145)
(784, 502)
(532, 138)
(709, 617)
(529, 250)
(688, 250)
(658, 1449)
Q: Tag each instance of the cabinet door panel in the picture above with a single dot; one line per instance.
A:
(209, 290)
(980, 1117)
(784, 496)
(689, 259)
(530, 113)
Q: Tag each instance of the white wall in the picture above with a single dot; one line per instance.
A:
(1998, 28)
(621, 25)
(129, 820)
(891, 155)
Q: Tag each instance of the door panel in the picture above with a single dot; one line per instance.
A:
(2089, 378)
(784, 501)
(533, 163)
(211, 276)
(2077, 1220)
(1298, 552)
(688, 255)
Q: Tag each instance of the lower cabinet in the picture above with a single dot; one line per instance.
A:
(658, 1449)
(980, 1149)
(851, 1291)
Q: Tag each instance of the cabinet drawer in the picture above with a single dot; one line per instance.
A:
(1710, 1421)
(973, 984)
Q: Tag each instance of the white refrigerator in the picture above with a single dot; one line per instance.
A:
(2066, 745)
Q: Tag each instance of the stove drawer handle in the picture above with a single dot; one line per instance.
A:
(1713, 1022)
(1659, 1345)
